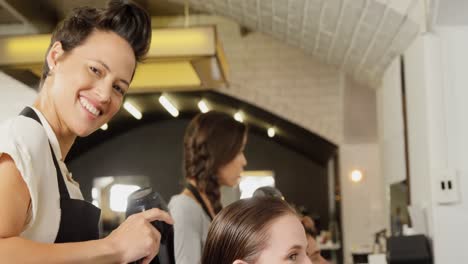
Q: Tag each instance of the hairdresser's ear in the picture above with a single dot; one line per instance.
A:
(237, 261)
(55, 52)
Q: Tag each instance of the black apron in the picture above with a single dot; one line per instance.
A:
(197, 195)
(78, 219)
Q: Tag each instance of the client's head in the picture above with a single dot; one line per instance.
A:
(256, 231)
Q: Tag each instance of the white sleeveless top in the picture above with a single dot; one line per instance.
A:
(27, 143)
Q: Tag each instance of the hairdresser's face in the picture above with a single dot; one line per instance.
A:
(287, 243)
(88, 83)
(230, 173)
(313, 251)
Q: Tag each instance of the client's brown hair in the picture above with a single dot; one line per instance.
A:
(240, 231)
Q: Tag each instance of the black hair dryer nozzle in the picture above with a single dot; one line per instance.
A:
(145, 199)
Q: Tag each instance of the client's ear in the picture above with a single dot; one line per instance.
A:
(237, 261)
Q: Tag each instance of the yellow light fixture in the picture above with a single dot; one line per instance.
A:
(168, 106)
(356, 176)
(178, 59)
(170, 75)
(29, 49)
(203, 106)
(177, 42)
(132, 110)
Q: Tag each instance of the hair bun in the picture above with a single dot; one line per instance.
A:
(131, 22)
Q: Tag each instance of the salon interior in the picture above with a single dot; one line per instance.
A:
(354, 107)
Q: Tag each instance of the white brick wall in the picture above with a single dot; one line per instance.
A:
(360, 114)
(279, 78)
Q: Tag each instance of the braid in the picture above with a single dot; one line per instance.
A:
(199, 166)
(195, 160)
(212, 190)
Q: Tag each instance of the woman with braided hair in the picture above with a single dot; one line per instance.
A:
(213, 157)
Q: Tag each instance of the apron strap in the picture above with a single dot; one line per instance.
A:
(29, 112)
(197, 195)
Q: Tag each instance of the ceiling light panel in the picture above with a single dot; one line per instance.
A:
(239, 117)
(203, 106)
(132, 110)
(169, 106)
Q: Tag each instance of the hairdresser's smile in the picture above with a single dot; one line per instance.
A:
(90, 107)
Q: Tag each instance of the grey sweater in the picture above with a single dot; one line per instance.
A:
(190, 229)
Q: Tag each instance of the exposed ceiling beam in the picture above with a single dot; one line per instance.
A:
(374, 38)
(337, 28)
(320, 27)
(355, 33)
(16, 29)
(36, 14)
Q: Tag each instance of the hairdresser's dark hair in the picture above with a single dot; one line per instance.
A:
(211, 141)
(122, 17)
(241, 230)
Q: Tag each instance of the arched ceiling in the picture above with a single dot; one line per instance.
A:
(294, 137)
(362, 37)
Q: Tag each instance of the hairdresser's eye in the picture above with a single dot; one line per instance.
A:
(118, 89)
(95, 70)
(293, 257)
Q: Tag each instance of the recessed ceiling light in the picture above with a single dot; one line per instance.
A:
(356, 175)
(132, 110)
(239, 117)
(168, 106)
(203, 106)
(271, 132)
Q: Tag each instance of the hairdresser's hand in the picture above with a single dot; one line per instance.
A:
(136, 238)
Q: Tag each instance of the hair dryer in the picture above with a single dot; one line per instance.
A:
(145, 199)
